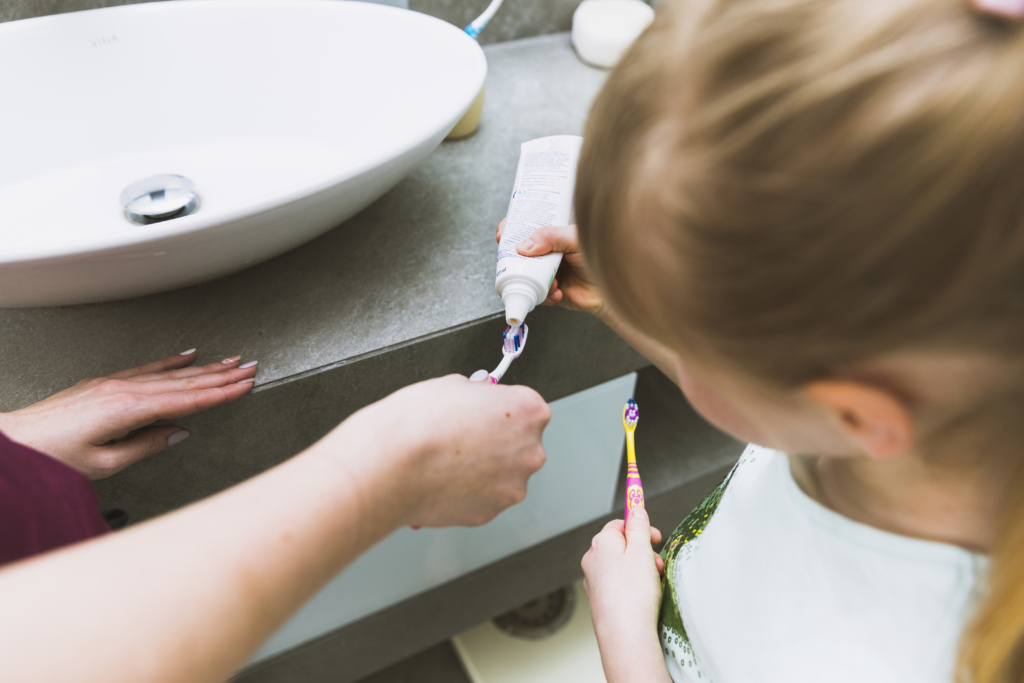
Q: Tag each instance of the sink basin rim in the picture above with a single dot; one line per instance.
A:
(135, 236)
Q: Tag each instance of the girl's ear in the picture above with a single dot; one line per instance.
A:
(875, 420)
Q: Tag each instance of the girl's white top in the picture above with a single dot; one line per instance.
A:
(776, 588)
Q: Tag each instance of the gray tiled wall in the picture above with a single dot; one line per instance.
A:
(516, 18)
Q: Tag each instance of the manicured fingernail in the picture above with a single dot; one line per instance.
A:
(187, 353)
(248, 365)
(247, 381)
(177, 437)
(525, 245)
(229, 361)
(1013, 9)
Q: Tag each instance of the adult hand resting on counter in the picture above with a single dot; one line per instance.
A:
(85, 426)
(193, 593)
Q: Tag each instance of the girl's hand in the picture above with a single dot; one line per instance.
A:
(85, 426)
(455, 452)
(573, 286)
(1009, 10)
(623, 582)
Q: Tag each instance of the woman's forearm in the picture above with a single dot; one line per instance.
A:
(187, 597)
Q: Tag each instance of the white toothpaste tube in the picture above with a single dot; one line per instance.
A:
(542, 195)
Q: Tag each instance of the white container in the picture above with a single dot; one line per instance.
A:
(542, 195)
(602, 30)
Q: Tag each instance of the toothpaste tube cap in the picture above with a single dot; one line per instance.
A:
(517, 304)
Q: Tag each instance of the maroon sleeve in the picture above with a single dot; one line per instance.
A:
(44, 504)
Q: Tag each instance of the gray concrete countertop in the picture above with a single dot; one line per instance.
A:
(401, 292)
(417, 262)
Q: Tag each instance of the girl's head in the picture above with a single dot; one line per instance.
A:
(800, 192)
(819, 204)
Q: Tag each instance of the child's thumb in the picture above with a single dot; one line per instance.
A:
(549, 239)
(638, 530)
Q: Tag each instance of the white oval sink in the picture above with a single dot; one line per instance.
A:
(289, 116)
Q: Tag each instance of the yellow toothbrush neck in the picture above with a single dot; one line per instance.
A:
(630, 447)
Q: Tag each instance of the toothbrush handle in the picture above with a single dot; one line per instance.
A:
(499, 371)
(634, 487)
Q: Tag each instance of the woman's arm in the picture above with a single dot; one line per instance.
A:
(188, 596)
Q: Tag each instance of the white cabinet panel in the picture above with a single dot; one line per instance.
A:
(584, 444)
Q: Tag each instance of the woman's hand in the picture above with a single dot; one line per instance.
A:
(218, 577)
(623, 582)
(573, 286)
(85, 426)
(456, 453)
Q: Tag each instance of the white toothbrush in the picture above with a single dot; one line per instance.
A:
(477, 25)
(513, 341)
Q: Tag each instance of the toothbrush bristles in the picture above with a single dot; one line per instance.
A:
(512, 339)
(632, 413)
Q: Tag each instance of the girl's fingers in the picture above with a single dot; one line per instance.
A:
(616, 525)
(655, 535)
(147, 409)
(170, 363)
(194, 383)
(551, 238)
(192, 371)
(659, 563)
(501, 225)
(116, 456)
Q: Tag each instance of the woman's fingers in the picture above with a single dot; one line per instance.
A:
(192, 371)
(170, 363)
(116, 456)
(145, 409)
(501, 225)
(196, 382)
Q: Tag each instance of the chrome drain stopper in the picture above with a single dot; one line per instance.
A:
(159, 198)
(539, 618)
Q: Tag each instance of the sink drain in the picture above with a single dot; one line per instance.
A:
(539, 618)
(159, 198)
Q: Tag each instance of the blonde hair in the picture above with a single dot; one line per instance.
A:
(791, 187)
